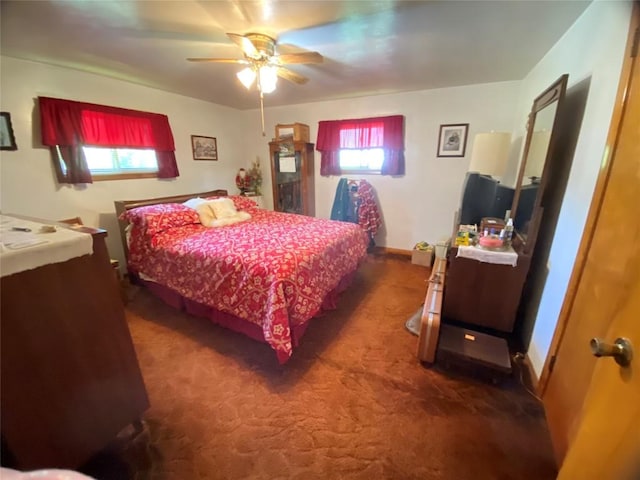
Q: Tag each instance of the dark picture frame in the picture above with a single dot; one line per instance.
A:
(204, 148)
(452, 141)
(7, 139)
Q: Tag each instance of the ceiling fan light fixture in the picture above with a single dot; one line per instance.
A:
(268, 78)
(264, 65)
(246, 77)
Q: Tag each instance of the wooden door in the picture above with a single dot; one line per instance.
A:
(593, 404)
(607, 443)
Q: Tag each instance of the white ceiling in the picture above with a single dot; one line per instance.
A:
(369, 47)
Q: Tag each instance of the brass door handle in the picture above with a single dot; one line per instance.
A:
(621, 350)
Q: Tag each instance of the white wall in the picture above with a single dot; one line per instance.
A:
(592, 49)
(419, 205)
(27, 178)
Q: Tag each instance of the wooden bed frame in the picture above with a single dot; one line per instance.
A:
(124, 205)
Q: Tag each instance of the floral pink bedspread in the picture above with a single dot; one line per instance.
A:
(273, 270)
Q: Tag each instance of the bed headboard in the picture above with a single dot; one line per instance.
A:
(124, 205)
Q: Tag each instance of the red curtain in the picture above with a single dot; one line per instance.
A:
(378, 132)
(68, 125)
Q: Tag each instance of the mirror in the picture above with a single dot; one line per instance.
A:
(526, 209)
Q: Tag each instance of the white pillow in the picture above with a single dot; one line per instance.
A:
(223, 207)
(194, 202)
(205, 213)
(237, 218)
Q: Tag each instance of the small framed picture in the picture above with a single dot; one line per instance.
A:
(204, 148)
(453, 140)
(7, 140)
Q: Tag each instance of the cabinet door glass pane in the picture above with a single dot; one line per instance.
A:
(288, 166)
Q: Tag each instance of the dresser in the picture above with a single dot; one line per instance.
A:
(484, 294)
(69, 375)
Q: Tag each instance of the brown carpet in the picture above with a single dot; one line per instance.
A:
(353, 402)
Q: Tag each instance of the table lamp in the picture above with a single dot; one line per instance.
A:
(490, 153)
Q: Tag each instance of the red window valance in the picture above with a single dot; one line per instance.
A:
(67, 126)
(361, 133)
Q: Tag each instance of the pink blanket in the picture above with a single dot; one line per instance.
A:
(273, 270)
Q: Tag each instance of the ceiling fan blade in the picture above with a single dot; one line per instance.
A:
(291, 76)
(219, 60)
(305, 57)
(244, 43)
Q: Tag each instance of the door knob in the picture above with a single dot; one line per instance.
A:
(621, 350)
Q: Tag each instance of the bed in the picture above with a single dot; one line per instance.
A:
(265, 277)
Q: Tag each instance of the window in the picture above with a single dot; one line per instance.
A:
(361, 160)
(124, 143)
(362, 145)
(368, 160)
(106, 161)
(120, 163)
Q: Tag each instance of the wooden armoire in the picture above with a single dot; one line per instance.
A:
(292, 177)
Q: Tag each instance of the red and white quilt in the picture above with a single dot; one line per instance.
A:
(273, 270)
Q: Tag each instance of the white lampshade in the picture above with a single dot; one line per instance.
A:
(268, 79)
(246, 77)
(537, 153)
(490, 153)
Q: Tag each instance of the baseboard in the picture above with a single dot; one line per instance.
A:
(391, 251)
(537, 361)
(529, 376)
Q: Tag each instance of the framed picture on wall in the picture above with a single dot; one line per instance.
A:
(204, 148)
(453, 140)
(7, 140)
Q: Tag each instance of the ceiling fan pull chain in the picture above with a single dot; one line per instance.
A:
(262, 112)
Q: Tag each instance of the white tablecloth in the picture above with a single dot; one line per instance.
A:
(20, 250)
(50, 474)
(506, 257)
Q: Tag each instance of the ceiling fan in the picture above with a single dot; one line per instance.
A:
(263, 64)
(260, 53)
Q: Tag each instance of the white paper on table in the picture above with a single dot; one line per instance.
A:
(288, 164)
(26, 250)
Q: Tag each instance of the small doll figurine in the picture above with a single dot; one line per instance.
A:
(243, 181)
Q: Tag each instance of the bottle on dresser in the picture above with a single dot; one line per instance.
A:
(508, 232)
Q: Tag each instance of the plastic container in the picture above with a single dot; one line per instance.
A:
(491, 242)
(441, 248)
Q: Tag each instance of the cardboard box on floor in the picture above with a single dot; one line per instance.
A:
(422, 257)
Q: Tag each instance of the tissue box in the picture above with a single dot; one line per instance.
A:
(422, 257)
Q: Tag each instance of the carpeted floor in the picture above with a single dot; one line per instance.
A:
(353, 402)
